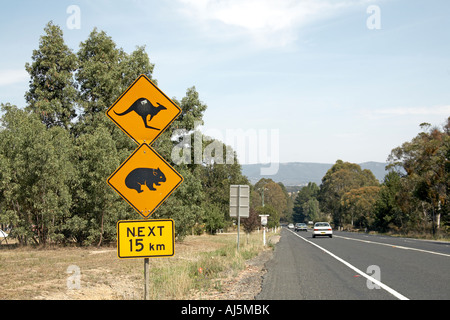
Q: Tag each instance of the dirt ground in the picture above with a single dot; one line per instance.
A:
(34, 274)
(245, 286)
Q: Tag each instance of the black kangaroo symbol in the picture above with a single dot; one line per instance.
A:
(144, 177)
(143, 107)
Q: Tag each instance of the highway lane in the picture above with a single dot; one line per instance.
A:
(338, 268)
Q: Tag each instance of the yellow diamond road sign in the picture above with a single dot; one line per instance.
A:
(145, 238)
(145, 180)
(143, 111)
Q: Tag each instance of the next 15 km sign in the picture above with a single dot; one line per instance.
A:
(145, 238)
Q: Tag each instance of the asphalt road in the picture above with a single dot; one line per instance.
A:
(357, 267)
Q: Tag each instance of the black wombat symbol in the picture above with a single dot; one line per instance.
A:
(144, 108)
(144, 177)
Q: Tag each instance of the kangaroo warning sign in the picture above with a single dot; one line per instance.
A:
(143, 111)
(145, 180)
(145, 238)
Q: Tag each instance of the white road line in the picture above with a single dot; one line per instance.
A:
(373, 280)
(394, 246)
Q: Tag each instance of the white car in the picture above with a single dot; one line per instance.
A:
(291, 226)
(322, 229)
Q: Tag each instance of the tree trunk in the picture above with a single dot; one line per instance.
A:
(101, 232)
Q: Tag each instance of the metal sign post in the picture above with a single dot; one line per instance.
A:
(146, 279)
(239, 204)
(238, 216)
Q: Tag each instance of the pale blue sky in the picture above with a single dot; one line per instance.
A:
(311, 69)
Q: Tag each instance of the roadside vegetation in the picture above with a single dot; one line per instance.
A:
(201, 264)
(412, 200)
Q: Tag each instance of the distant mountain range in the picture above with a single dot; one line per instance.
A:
(300, 173)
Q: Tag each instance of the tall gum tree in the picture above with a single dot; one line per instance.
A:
(52, 90)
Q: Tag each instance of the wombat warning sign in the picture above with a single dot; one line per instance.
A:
(145, 180)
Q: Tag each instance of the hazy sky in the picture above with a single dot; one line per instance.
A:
(326, 79)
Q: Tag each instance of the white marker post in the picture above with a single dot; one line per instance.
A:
(264, 223)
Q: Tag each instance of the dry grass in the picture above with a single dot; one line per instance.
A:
(28, 273)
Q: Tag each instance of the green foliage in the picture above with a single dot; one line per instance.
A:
(213, 218)
(311, 210)
(185, 205)
(52, 90)
(425, 186)
(413, 197)
(251, 223)
(192, 111)
(341, 178)
(388, 212)
(358, 204)
(36, 173)
(96, 157)
(306, 206)
(273, 194)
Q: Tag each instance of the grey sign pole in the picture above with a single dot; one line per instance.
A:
(239, 205)
(238, 215)
(146, 279)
